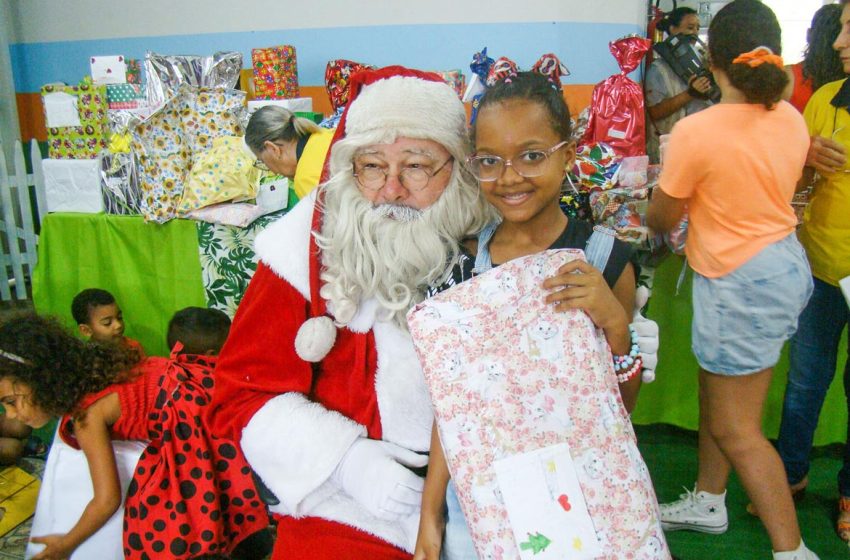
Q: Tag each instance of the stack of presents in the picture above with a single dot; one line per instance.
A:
(168, 145)
(163, 137)
(123, 145)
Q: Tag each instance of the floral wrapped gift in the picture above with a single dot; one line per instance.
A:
(537, 439)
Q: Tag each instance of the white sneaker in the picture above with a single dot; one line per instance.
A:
(802, 553)
(694, 511)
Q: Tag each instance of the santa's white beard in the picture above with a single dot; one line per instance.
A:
(389, 252)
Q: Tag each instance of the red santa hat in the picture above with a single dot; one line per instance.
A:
(389, 103)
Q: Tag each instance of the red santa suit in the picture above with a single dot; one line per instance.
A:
(296, 419)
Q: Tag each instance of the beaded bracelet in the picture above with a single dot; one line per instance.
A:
(632, 372)
(625, 361)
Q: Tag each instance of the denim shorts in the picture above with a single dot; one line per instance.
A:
(741, 320)
(457, 541)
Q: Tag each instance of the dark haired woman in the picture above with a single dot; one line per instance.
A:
(736, 166)
(820, 64)
(668, 97)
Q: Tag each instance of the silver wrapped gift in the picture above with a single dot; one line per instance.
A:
(165, 73)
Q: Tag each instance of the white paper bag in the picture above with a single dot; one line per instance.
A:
(73, 185)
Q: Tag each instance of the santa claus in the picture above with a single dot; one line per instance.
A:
(319, 380)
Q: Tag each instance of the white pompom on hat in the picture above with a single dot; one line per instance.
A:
(315, 338)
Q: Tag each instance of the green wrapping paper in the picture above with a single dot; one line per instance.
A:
(87, 140)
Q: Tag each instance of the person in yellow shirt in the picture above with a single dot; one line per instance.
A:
(826, 236)
(288, 145)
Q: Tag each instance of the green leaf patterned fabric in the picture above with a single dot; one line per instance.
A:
(227, 258)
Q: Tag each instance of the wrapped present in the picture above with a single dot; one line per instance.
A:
(168, 141)
(337, 76)
(108, 69)
(678, 235)
(224, 173)
(119, 183)
(77, 125)
(317, 118)
(333, 119)
(455, 79)
(528, 408)
(72, 185)
(633, 172)
(275, 72)
(166, 73)
(134, 71)
(617, 106)
(624, 213)
(595, 167)
(124, 96)
(576, 205)
(296, 104)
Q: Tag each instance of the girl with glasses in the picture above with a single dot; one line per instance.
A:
(523, 151)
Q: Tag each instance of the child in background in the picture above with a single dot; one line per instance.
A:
(735, 165)
(523, 151)
(100, 319)
(191, 493)
(200, 330)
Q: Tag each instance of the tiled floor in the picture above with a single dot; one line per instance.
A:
(14, 543)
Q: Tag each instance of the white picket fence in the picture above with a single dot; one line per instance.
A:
(17, 227)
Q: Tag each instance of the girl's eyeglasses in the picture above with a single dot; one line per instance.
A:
(528, 164)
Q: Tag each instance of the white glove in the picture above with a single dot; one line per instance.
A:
(373, 473)
(646, 332)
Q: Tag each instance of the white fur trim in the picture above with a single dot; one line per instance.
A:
(365, 316)
(403, 399)
(409, 107)
(338, 506)
(284, 246)
(315, 339)
(294, 445)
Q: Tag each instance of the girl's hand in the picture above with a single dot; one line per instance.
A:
(56, 548)
(429, 541)
(579, 285)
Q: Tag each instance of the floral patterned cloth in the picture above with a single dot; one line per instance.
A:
(509, 375)
(228, 261)
(167, 143)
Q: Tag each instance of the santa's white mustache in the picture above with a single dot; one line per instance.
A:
(398, 212)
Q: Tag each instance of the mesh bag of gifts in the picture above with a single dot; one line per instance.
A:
(167, 143)
(535, 433)
(75, 116)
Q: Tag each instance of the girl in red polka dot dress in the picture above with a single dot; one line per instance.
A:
(191, 493)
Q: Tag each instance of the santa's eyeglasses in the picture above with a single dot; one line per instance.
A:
(373, 177)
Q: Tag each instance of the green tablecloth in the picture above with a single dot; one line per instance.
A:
(154, 270)
(672, 399)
